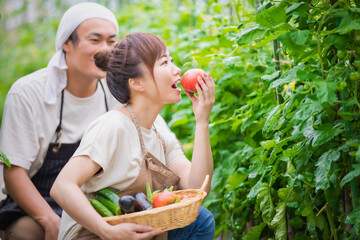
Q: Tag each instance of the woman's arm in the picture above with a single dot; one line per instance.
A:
(193, 174)
(67, 193)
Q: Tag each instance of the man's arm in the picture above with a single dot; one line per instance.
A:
(22, 190)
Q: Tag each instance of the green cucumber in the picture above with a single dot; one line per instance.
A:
(109, 194)
(100, 208)
(113, 207)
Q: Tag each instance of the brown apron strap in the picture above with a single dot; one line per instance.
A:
(137, 125)
(161, 140)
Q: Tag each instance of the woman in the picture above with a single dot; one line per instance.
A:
(129, 147)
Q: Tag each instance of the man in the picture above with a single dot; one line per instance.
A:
(45, 116)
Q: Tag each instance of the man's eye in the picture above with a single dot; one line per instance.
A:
(94, 40)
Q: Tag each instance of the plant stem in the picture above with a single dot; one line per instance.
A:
(348, 132)
(277, 58)
(331, 222)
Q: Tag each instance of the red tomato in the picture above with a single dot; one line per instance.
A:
(184, 197)
(164, 198)
(189, 79)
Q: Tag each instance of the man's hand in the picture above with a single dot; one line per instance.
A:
(51, 225)
(19, 185)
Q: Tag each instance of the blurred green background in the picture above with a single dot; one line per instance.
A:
(285, 129)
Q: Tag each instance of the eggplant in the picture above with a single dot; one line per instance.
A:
(143, 201)
(129, 204)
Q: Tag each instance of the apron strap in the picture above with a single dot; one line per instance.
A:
(161, 140)
(59, 129)
(137, 125)
(106, 104)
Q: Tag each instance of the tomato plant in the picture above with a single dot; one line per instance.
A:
(341, 54)
(356, 63)
(354, 76)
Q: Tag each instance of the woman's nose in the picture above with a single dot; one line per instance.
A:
(176, 70)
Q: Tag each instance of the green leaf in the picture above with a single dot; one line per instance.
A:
(299, 37)
(293, 7)
(323, 168)
(235, 180)
(309, 214)
(339, 41)
(302, 157)
(271, 77)
(272, 119)
(254, 190)
(325, 133)
(322, 224)
(289, 195)
(326, 93)
(296, 222)
(306, 110)
(353, 217)
(265, 203)
(290, 168)
(250, 34)
(271, 17)
(255, 232)
(279, 222)
(268, 144)
(351, 175)
(228, 98)
(4, 159)
(287, 77)
(347, 24)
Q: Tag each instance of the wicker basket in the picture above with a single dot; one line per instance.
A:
(169, 217)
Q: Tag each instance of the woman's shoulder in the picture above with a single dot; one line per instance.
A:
(113, 120)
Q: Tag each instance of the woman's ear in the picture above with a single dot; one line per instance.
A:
(136, 84)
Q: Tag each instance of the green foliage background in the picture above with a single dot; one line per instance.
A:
(285, 126)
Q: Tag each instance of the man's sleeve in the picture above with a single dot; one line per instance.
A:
(18, 135)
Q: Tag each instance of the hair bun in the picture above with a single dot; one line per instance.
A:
(102, 59)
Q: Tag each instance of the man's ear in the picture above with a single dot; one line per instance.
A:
(66, 45)
(137, 84)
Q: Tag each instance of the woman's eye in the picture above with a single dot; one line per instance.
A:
(94, 40)
(172, 60)
(165, 62)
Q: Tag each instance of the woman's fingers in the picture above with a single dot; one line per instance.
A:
(149, 235)
(145, 232)
(206, 88)
(191, 95)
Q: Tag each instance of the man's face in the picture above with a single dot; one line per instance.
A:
(94, 35)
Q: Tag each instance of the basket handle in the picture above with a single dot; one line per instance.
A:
(205, 183)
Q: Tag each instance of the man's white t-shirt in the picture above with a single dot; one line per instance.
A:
(113, 142)
(29, 124)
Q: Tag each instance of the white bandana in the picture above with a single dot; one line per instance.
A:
(71, 19)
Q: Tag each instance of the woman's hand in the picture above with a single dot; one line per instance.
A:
(125, 231)
(203, 104)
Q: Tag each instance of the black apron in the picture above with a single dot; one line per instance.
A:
(56, 157)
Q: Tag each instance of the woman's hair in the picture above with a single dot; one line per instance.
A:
(127, 59)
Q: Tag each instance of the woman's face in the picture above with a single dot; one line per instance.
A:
(167, 79)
